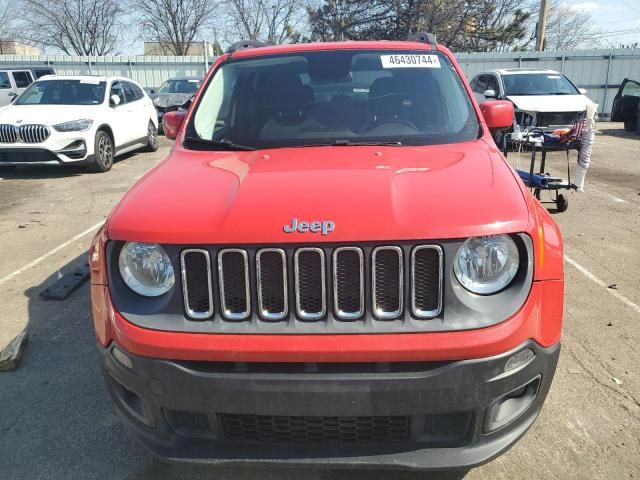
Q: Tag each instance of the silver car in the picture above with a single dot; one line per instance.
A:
(174, 94)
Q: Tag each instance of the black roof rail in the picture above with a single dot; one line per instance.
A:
(244, 44)
(423, 37)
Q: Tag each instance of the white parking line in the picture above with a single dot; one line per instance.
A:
(6, 278)
(605, 194)
(596, 280)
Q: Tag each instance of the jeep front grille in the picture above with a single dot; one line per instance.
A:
(233, 272)
(310, 283)
(196, 283)
(387, 282)
(322, 284)
(348, 282)
(426, 271)
(271, 266)
(24, 133)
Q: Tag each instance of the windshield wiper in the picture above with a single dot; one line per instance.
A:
(349, 143)
(223, 142)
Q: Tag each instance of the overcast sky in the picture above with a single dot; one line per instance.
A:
(620, 19)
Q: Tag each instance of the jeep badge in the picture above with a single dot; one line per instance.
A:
(316, 226)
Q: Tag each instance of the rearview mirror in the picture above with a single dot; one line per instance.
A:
(171, 123)
(498, 114)
(490, 93)
(583, 91)
(115, 100)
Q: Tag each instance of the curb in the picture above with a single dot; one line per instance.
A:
(12, 354)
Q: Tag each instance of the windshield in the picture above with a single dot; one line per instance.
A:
(538, 84)
(347, 97)
(63, 92)
(180, 86)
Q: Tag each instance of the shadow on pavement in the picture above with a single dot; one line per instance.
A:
(57, 420)
(618, 133)
(28, 172)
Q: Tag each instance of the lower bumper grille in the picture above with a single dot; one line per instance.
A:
(304, 429)
(27, 155)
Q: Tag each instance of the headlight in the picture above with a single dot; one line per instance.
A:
(486, 265)
(74, 126)
(146, 268)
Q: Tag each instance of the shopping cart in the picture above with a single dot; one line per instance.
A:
(537, 141)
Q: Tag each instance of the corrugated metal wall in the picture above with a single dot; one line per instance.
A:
(599, 71)
(148, 71)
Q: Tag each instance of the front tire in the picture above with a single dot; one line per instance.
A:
(630, 125)
(152, 137)
(103, 152)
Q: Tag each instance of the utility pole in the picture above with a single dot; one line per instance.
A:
(542, 25)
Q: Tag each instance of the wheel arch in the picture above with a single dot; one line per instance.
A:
(106, 128)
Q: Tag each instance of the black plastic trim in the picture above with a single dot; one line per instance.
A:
(464, 388)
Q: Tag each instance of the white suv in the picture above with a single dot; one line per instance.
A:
(542, 98)
(77, 120)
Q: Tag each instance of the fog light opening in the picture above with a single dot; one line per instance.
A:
(511, 405)
(121, 357)
(520, 359)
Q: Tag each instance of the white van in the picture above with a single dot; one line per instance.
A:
(14, 81)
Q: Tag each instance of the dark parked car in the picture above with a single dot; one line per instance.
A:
(174, 94)
(626, 105)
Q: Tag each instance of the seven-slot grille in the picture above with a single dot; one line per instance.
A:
(342, 282)
(24, 133)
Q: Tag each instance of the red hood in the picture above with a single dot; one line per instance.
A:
(370, 193)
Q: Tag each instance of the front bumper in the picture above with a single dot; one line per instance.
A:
(418, 415)
(58, 149)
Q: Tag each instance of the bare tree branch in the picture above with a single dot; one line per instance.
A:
(271, 21)
(75, 27)
(175, 24)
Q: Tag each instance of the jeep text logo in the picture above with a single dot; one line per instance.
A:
(316, 226)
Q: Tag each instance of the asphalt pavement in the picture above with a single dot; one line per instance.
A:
(57, 421)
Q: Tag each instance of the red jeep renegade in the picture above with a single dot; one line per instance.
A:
(334, 265)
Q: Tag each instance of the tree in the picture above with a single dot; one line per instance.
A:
(459, 24)
(271, 21)
(338, 20)
(569, 28)
(6, 24)
(497, 25)
(176, 24)
(75, 27)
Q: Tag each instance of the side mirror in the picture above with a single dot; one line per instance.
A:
(152, 91)
(171, 123)
(498, 114)
(583, 91)
(114, 100)
(12, 96)
(490, 93)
